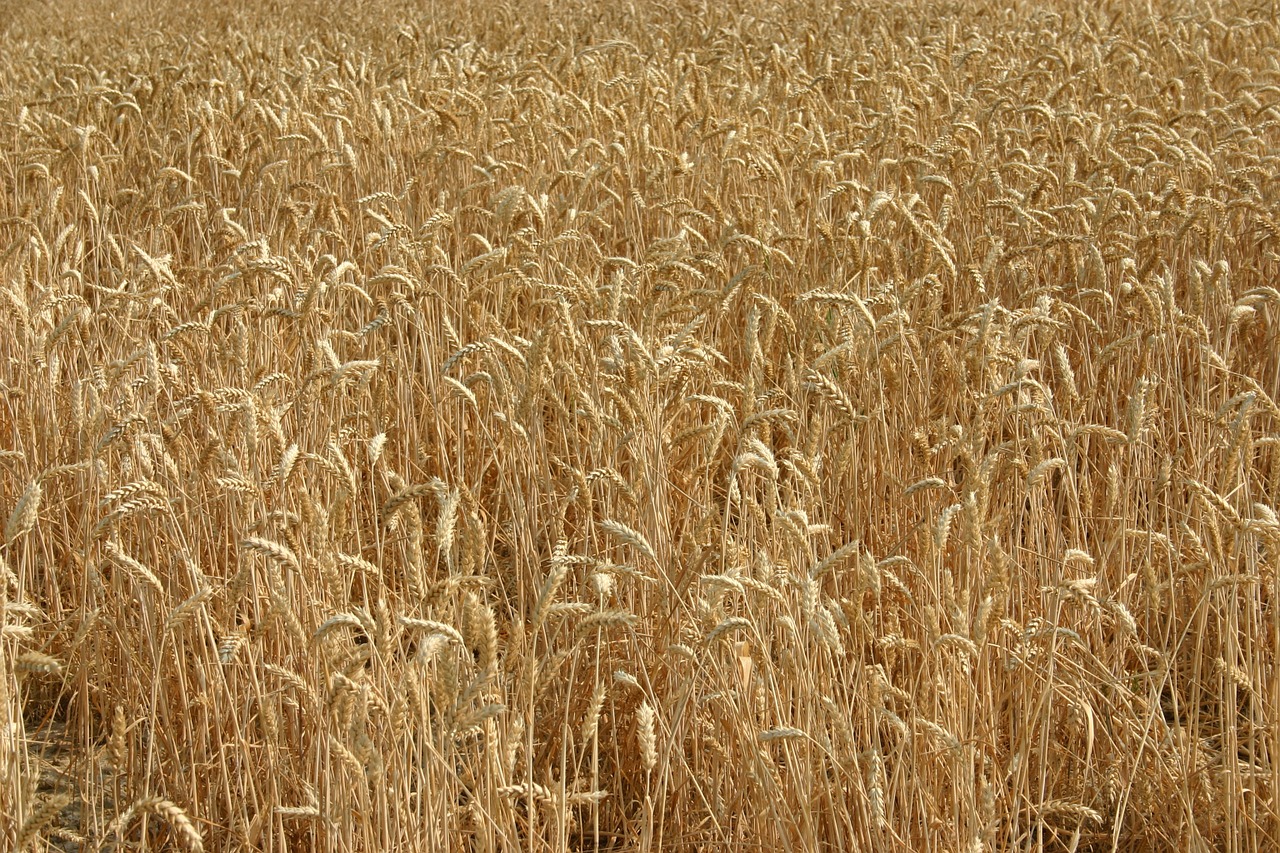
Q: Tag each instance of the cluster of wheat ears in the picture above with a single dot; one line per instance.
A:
(671, 426)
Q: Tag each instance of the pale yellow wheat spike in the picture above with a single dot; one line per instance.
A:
(26, 512)
(647, 735)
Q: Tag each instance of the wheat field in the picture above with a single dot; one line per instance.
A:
(678, 426)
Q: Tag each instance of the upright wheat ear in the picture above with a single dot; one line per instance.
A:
(590, 723)
(646, 734)
(117, 743)
(875, 789)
